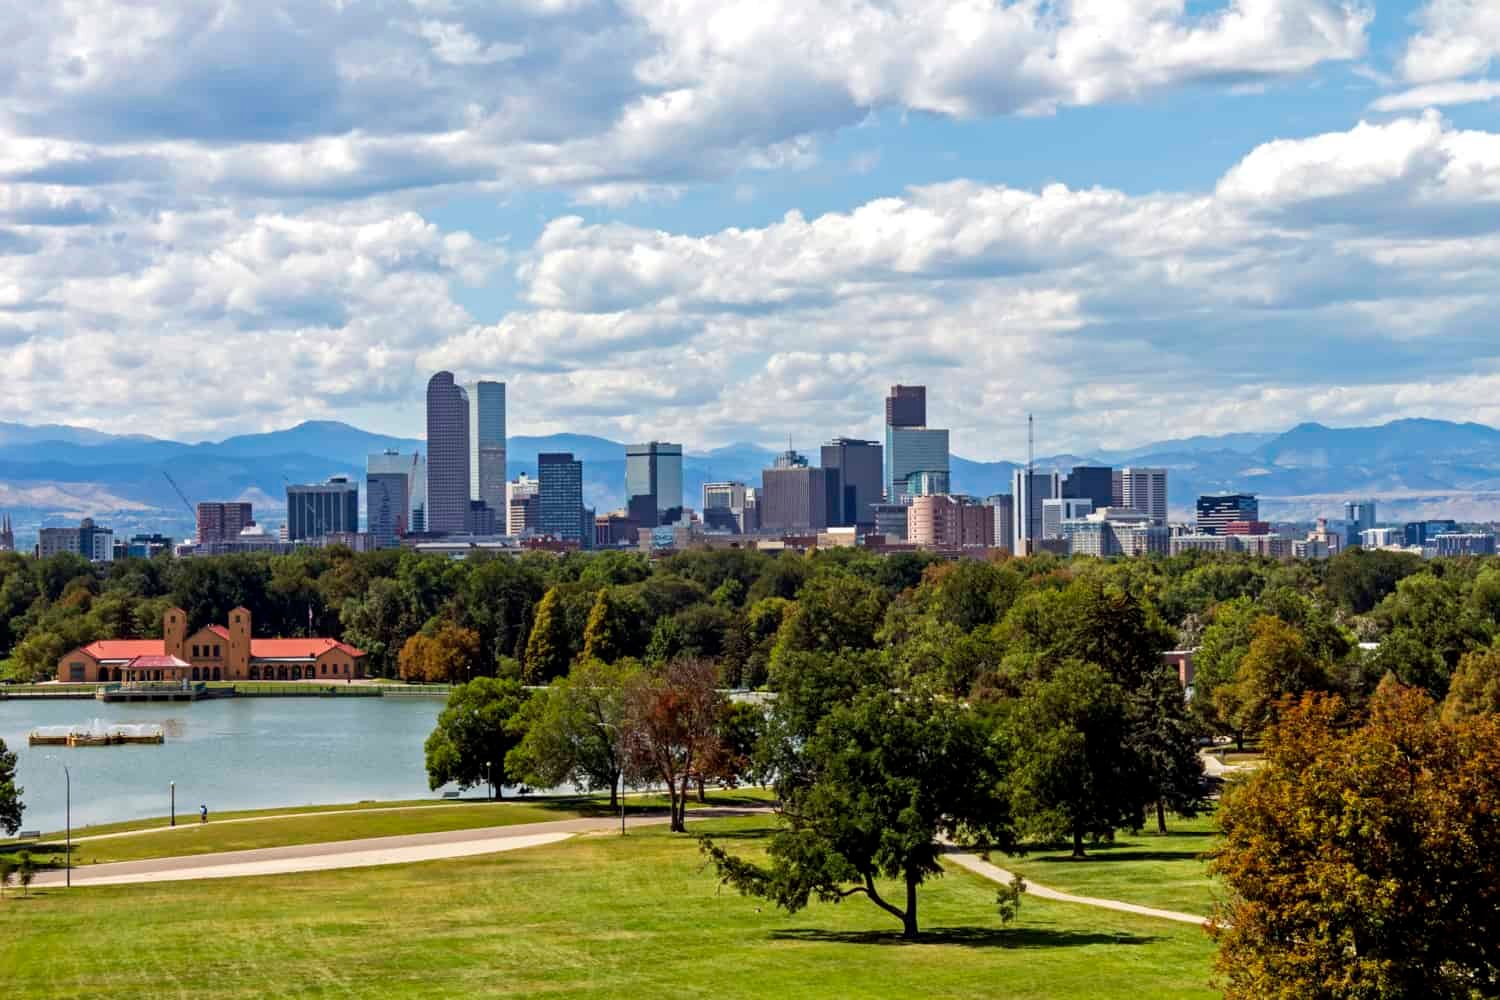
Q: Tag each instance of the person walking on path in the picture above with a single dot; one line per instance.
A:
(203, 813)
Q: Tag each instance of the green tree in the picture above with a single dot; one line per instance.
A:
(672, 717)
(573, 729)
(1072, 773)
(11, 805)
(1276, 666)
(1363, 861)
(606, 635)
(474, 734)
(548, 647)
(891, 774)
(7, 873)
(1165, 739)
(831, 613)
(1475, 689)
(25, 872)
(442, 654)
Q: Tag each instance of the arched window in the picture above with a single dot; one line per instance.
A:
(195, 673)
(216, 674)
(255, 673)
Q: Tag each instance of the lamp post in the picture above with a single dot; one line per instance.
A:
(173, 786)
(68, 821)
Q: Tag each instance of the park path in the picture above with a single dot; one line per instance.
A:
(359, 853)
(995, 873)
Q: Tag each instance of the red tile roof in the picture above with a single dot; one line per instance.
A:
(125, 649)
(158, 662)
(297, 649)
(220, 631)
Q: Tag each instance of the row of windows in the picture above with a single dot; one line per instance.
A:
(203, 650)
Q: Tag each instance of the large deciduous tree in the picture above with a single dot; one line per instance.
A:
(446, 653)
(1363, 861)
(1475, 689)
(573, 729)
(474, 733)
(673, 715)
(885, 778)
(548, 650)
(11, 805)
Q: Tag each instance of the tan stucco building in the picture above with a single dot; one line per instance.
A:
(212, 653)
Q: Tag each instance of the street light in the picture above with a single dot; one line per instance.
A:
(68, 820)
(173, 786)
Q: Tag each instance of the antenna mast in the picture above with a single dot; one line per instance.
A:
(1030, 483)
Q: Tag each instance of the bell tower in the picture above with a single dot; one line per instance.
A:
(174, 631)
(237, 663)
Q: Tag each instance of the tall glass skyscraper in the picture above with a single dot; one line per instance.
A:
(388, 497)
(653, 481)
(910, 445)
(488, 451)
(447, 455)
(560, 496)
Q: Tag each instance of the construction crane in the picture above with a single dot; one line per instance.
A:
(181, 495)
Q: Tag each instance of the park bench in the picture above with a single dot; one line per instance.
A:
(450, 795)
(29, 835)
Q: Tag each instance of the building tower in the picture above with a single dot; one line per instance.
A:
(1144, 490)
(447, 455)
(859, 464)
(560, 509)
(387, 497)
(911, 447)
(488, 453)
(653, 482)
(7, 535)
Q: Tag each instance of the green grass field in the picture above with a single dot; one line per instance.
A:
(1165, 871)
(596, 915)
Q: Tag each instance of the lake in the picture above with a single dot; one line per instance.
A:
(229, 753)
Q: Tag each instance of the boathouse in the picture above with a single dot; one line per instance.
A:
(212, 653)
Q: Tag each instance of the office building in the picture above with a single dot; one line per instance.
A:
(1214, 512)
(318, 509)
(89, 540)
(1142, 489)
(860, 465)
(927, 483)
(1093, 483)
(487, 452)
(146, 546)
(1246, 528)
(448, 484)
(482, 519)
(616, 530)
(653, 482)
(950, 522)
(1322, 539)
(219, 521)
(1003, 504)
(914, 450)
(797, 499)
(521, 506)
(730, 508)
(906, 406)
(560, 510)
(7, 535)
(1059, 509)
(1381, 538)
(1359, 517)
(1457, 543)
(1418, 533)
(416, 485)
(388, 497)
(890, 520)
(1026, 529)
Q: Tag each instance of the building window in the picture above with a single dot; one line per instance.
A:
(195, 651)
(216, 650)
(75, 671)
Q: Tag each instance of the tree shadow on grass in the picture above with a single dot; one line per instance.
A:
(965, 937)
(755, 833)
(1117, 855)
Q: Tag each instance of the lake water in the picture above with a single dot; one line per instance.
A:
(230, 753)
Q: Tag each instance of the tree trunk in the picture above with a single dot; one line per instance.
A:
(1078, 842)
(1239, 740)
(1161, 817)
(909, 918)
(614, 792)
(702, 795)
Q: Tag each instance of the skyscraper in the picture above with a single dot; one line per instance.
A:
(1059, 509)
(1215, 512)
(387, 497)
(222, 522)
(1359, 517)
(797, 498)
(560, 511)
(859, 464)
(1094, 483)
(321, 509)
(447, 455)
(910, 445)
(1029, 492)
(488, 451)
(7, 535)
(731, 507)
(521, 506)
(1144, 490)
(416, 487)
(653, 481)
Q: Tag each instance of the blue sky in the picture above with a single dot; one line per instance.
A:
(724, 220)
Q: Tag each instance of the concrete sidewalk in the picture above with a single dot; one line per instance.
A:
(359, 853)
(995, 873)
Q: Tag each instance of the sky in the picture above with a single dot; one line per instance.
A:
(742, 220)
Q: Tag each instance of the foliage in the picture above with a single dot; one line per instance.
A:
(1363, 860)
(549, 646)
(573, 729)
(11, 805)
(890, 774)
(1476, 686)
(672, 717)
(446, 654)
(474, 734)
(1277, 664)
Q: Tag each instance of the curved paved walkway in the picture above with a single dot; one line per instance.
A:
(358, 853)
(995, 873)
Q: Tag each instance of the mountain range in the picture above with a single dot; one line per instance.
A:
(1417, 468)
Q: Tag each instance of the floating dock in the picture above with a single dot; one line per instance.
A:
(152, 691)
(96, 735)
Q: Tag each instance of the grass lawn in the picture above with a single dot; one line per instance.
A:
(313, 825)
(1152, 869)
(597, 915)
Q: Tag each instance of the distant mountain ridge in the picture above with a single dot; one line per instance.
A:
(58, 473)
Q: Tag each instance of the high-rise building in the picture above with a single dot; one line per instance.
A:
(1059, 509)
(911, 450)
(1359, 517)
(730, 507)
(860, 465)
(1455, 543)
(1028, 494)
(653, 482)
(447, 455)
(795, 498)
(94, 542)
(1144, 490)
(950, 522)
(1004, 506)
(487, 453)
(7, 535)
(1094, 483)
(145, 546)
(318, 509)
(387, 497)
(1215, 512)
(416, 485)
(222, 521)
(522, 517)
(560, 510)
(906, 406)
(481, 519)
(1418, 533)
